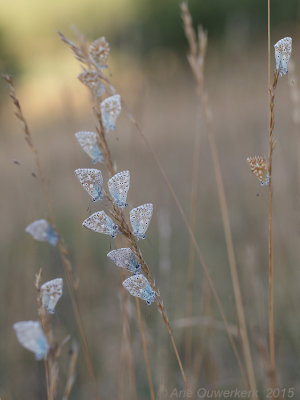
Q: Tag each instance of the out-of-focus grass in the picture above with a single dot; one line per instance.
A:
(164, 101)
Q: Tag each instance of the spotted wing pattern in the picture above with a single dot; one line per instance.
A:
(92, 80)
(258, 166)
(110, 110)
(42, 231)
(99, 51)
(101, 223)
(88, 141)
(125, 258)
(283, 51)
(92, 181)
(118, 187)
(138, 286)
(51, 292)
(140, 218)
(31, 336)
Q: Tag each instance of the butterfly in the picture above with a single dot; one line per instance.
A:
(283, 50)
(88, 141)
(125, 258)
(101, 223)
(259, 167)
(140, 218)
(110, 109)
(92, 181)
(99, 51)
(138, 286)
(92, 80)
(118, 187)
(31, 336)
(51, 292)
(42, 231)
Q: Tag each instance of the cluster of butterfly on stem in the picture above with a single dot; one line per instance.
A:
(283, 49)
(92, 181)
(95, 145)
(31, 334)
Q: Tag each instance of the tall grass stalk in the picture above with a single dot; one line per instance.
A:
(51, 362)
(67, 265)
(147, 363)
(196, 60)
(71, 371)
(127, 336)
(271, 92)
(193, 218)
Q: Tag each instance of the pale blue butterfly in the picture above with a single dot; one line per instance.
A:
(110, 110)
(125, 258)
(140, 218)
(92, 181)
(31, 336)
(138, 286)
(42, 231)
(51, 292)
(101, 223)
(118, 187)
(88, 141)
(283, 51)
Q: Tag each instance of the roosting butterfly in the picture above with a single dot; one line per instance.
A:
(110, 110)
(259, 167)
(118, 187)
(99, 51)
(92, 181)
(51, 292)
(92, 80)
(138, 286)
(31, 336)
(42, 231)
(88, 141)
(140, 218)
(283, 51)
(125, 258)
(101, 223)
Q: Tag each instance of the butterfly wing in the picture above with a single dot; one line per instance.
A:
(42, 231)
(138, 286)
(99, 51)
(259, 168)
(31, 336)
(140, 218)
(101, 223)
(118, 187)
(88, 141)
(110, 110)
(92, 181)
(283, 51)
(92, 80)
(125, 258)
(51, 293)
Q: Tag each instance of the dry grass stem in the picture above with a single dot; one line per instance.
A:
(196, 61)
(149, 376)
(71, 371)
(273, 374)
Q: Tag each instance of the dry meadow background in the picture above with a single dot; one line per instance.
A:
(150, 70)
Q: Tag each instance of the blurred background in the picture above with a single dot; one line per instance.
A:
(148, 66)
